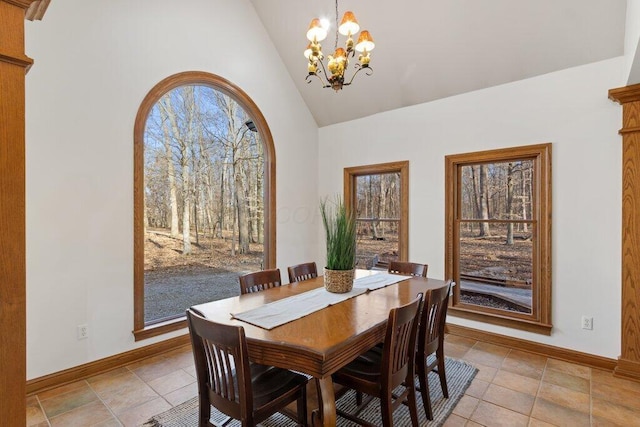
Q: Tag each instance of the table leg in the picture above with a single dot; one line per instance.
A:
(326, 402)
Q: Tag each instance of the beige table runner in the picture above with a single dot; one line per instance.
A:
(283, 311)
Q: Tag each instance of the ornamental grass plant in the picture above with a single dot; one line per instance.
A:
(340, 230)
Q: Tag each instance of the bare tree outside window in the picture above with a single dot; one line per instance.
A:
(378, 219)
(203, 200)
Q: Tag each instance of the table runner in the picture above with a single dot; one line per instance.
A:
(283, 311)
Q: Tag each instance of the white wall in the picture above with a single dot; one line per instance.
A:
(94, 63)
(568, 108)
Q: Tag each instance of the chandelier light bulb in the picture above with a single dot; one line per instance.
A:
(316, 32)
(365, 42)
(349, 24)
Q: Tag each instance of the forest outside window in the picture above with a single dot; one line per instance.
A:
(498, 242)
(378, 194)
(204, 207)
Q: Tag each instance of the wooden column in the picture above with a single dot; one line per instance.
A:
(629, 360)
(13, 66)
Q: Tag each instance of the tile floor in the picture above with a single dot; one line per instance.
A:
(511, 389)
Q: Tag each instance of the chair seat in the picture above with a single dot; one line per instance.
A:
(365, 368)
(270, 382)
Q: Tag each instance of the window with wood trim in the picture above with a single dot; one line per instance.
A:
(204, 197)
(379, 195)
(498, 241)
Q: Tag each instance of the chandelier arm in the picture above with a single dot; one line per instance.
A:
(324, 71)
(322, 82)
(360, 68)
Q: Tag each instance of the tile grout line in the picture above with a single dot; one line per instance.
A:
(479, 398)
(65, 412)
(145, 383)
(105, 405)
(46, 418)
(500, 368)
(544, 371)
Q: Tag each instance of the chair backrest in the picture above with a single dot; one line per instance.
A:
(433, 319)
(408, 268)
(222, 366)
(300, 272)
(400, 343)
(259, 281)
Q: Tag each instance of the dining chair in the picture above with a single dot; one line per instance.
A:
(408, 268)
(259, 281)
(300, 272)
(241, 390)
(431, 343)
(377, 373)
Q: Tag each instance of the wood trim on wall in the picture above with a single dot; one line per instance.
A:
(141, 331)
(533, 347)
(629, 360)
(13, 318)
(57, 379)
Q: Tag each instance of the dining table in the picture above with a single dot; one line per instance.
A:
(324, 341)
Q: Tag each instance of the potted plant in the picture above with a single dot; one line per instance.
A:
(340, 231)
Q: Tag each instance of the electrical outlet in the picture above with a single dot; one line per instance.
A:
(83, 332)
(587, 323)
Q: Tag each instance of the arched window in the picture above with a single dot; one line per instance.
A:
(204, 197)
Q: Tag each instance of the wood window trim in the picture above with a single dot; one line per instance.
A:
(402, 167)
(140, 331)
(540, 320)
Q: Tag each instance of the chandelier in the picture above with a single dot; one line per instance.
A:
(337, 63)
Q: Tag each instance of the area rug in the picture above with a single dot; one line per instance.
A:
(459, 377)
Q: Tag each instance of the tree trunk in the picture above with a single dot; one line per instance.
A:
(222, 201)
(510, 203)
(171, 176)
(370, 214)
(484, 202)
(523, 191)
(185, 150)
(476, 194)
(259, 196)
(243, 214)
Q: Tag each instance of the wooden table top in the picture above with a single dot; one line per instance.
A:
(322, 342)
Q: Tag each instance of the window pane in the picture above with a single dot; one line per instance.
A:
(496, 265)
(378, 214)
(500, 190)
(380, 250)
(203, 200)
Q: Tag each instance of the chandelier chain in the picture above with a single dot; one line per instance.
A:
(336, 42)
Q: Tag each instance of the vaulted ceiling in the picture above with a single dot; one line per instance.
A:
(431, 49)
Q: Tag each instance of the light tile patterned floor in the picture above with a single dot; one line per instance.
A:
(512, 388)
